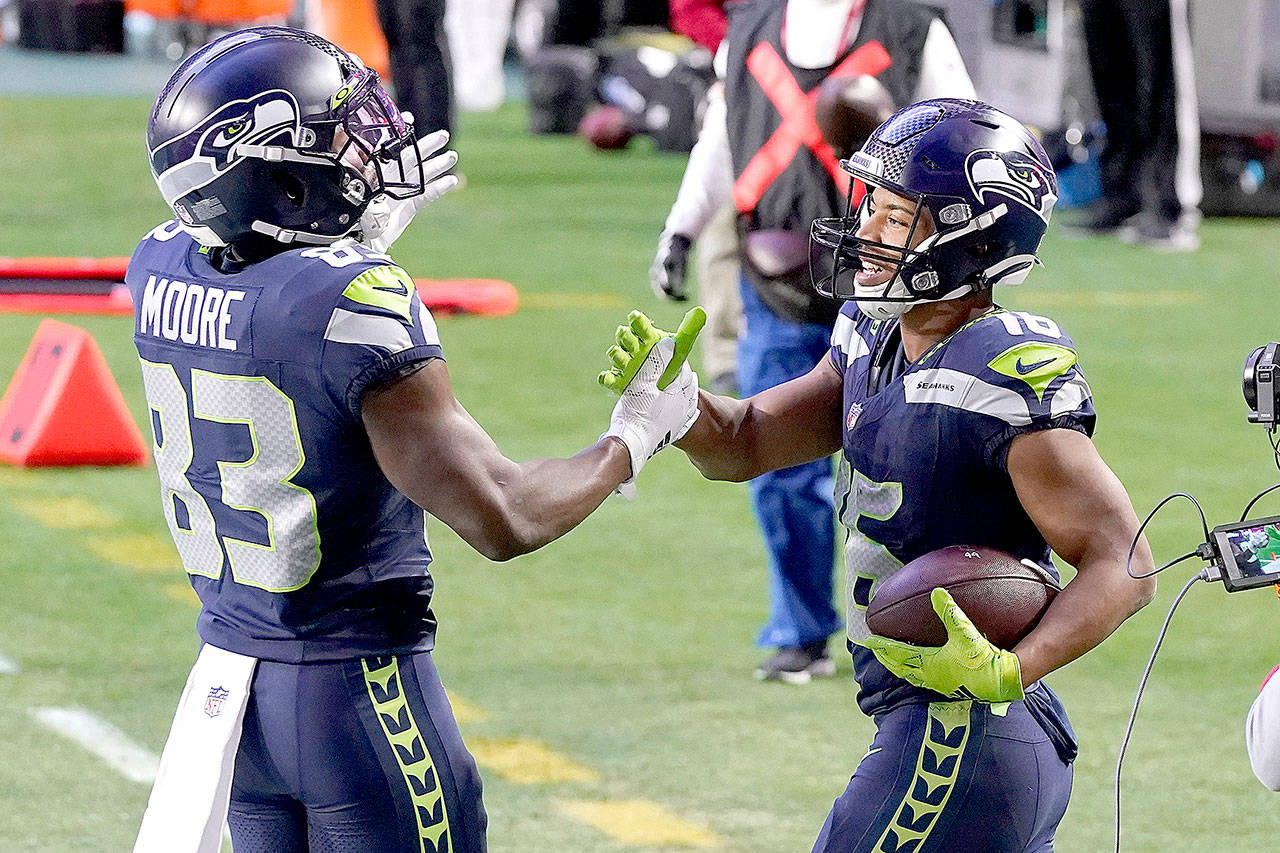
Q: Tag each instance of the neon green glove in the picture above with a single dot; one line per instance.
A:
(658, 392)
(966, 666)
(637, 338)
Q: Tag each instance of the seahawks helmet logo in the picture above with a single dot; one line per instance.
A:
(200, 156)
(1013, 175)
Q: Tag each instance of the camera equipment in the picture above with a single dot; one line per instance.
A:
(1248, 553)
(1243, 555)
(1260, 385)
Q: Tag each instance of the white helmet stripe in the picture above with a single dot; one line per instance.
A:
(1011, 270)
(186, 176)
(985, 220)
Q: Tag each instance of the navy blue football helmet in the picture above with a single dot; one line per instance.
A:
(987, 185)
(275, 133)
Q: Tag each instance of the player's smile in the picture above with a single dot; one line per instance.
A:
(872, 274)
(891, 220)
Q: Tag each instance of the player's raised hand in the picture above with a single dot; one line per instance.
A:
(386, 218)
(636, 339)
(966, 666)
(658, 391)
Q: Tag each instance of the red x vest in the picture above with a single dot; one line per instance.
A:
(786, 175)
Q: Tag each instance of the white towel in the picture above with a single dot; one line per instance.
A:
(188, 804)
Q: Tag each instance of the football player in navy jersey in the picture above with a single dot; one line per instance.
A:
(957, 423)
(303, 422)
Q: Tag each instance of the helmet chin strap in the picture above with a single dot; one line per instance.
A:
(289, 237)
(202, 234)
(895, 298)
(877, 309)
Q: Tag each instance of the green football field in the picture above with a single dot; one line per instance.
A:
(604, 683)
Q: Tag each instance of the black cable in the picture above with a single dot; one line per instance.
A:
(1204, 524)
(1141, 685)
(1268, 490)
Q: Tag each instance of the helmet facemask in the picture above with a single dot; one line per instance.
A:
(371, 136)
(989, 190)
(837, 255)
(368, 139)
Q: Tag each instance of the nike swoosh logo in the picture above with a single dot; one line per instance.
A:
(398, 290)
(1024, 369)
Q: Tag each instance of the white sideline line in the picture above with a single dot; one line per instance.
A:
(8, 666)
(102, 739)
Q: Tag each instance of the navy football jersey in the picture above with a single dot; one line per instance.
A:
(925, 444)
(297, 545)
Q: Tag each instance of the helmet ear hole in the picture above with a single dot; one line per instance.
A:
(982, 251)
(290, 185)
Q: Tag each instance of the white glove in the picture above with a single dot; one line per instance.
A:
(647, 418)
(385, 219)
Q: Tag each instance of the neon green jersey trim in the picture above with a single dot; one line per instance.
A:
(1035, 363)
(386, 287)
(385, 686)
(937, 767)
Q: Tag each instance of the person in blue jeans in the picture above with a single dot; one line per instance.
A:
(779, 179)
(794, 506)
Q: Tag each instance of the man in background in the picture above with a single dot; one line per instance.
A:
(716, 260)
(1140, 60)
(418, 54)
(773, 58)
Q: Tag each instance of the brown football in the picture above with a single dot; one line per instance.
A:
(847, 109)
(1003, 596)
(606, 127)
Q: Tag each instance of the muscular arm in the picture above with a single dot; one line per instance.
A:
(434, 452)
(1085, 515)
(795, 422)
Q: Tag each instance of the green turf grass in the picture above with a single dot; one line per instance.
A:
(627, 645)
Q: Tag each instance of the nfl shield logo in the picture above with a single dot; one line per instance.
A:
(213, 702)
(855, 409)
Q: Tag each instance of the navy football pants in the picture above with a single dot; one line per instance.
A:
(952, 776)
(794, 506)
(353, 756)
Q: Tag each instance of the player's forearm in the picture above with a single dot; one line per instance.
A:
(541, 500)
(721, 443)
(1085, 613)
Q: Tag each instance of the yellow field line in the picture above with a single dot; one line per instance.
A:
(466, 712)
(66, 513)
(1108, 298)
(520, 761)
(142, 552)
(20, 477)
(641, 823)
(527, 762)
(571, 300)
(181, 592)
